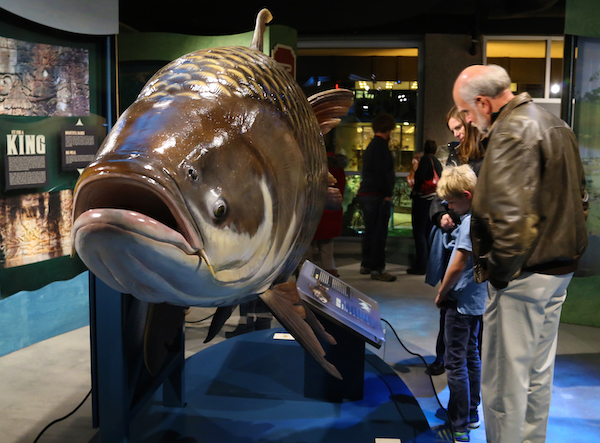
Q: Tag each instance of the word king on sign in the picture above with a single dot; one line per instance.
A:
(19, 143)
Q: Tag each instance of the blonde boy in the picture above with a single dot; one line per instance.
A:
(464, 300)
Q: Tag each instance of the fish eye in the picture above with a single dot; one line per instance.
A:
(192, 173)
(220, 210)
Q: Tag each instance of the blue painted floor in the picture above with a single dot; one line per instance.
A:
(45, 381)
(253, 391)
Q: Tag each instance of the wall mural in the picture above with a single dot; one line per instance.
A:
(35, 227)
(43, 80)
(39, 80)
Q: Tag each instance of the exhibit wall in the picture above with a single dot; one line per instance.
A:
(445, 57)
(53, 117)
(583, 304)
(141, 54)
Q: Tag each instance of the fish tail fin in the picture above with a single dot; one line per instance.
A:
(285, 303)
(264, 16)
(329, 105)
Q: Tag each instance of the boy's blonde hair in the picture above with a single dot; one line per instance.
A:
(455, 180)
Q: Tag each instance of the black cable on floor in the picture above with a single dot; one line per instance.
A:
(199, 321)
(63, 418)
(430, 377)
(388, 386)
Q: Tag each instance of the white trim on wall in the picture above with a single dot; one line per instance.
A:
(93, 17)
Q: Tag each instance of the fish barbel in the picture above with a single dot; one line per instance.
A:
(210, 186)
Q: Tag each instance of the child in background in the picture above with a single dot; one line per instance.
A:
(464, 300)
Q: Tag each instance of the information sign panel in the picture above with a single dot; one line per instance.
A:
(25, 161)
(341, 303)
(79, 146)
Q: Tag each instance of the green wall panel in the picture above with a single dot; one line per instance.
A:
(142, 54)
(581, 18)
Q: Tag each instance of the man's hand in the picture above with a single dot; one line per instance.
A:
(497, 284)
(440, 300)
(446, 223)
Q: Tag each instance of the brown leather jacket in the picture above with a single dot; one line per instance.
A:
(530, 203)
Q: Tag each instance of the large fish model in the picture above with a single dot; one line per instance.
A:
(210, 186)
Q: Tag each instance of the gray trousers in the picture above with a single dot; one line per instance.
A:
(520, 334)
(325, 249)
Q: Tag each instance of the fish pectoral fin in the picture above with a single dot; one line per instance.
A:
(328, 125)
(317, 327)
(221, 315)
(329, 105)
(284, 302)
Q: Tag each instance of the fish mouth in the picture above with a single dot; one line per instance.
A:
(137, 203)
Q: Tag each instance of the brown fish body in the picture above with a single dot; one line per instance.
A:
(210, 186)
(225, 125)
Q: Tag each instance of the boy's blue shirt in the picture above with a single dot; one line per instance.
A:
(441, 245)
(470, 296)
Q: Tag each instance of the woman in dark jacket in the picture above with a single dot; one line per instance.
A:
(421, 202)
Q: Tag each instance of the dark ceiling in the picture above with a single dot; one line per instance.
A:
(360, 18)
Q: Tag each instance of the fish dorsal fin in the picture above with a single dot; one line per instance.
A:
(263, 17)
(329, 105)
(284, 302)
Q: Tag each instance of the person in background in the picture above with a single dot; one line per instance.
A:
(467, 150)
(464, 301)
(375, 197)
(410, 178)
(528, 230)
(330, 225)
(422, 195)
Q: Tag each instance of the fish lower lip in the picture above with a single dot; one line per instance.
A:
(137, 223)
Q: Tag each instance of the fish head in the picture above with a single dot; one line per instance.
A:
(191, 201)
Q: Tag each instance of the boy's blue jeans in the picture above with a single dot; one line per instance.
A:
(463, 366)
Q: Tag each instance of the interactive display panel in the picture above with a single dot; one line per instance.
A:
(341, 303)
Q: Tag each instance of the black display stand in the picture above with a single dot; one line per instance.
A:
(125, 377)
(121, 383)
(251, 388)
(348, 356)
(352, 318)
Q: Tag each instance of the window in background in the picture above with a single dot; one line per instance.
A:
(534, 64)
(383, 79)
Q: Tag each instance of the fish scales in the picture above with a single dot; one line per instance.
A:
(264, 80)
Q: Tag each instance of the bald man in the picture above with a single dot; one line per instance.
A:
(528, 232)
